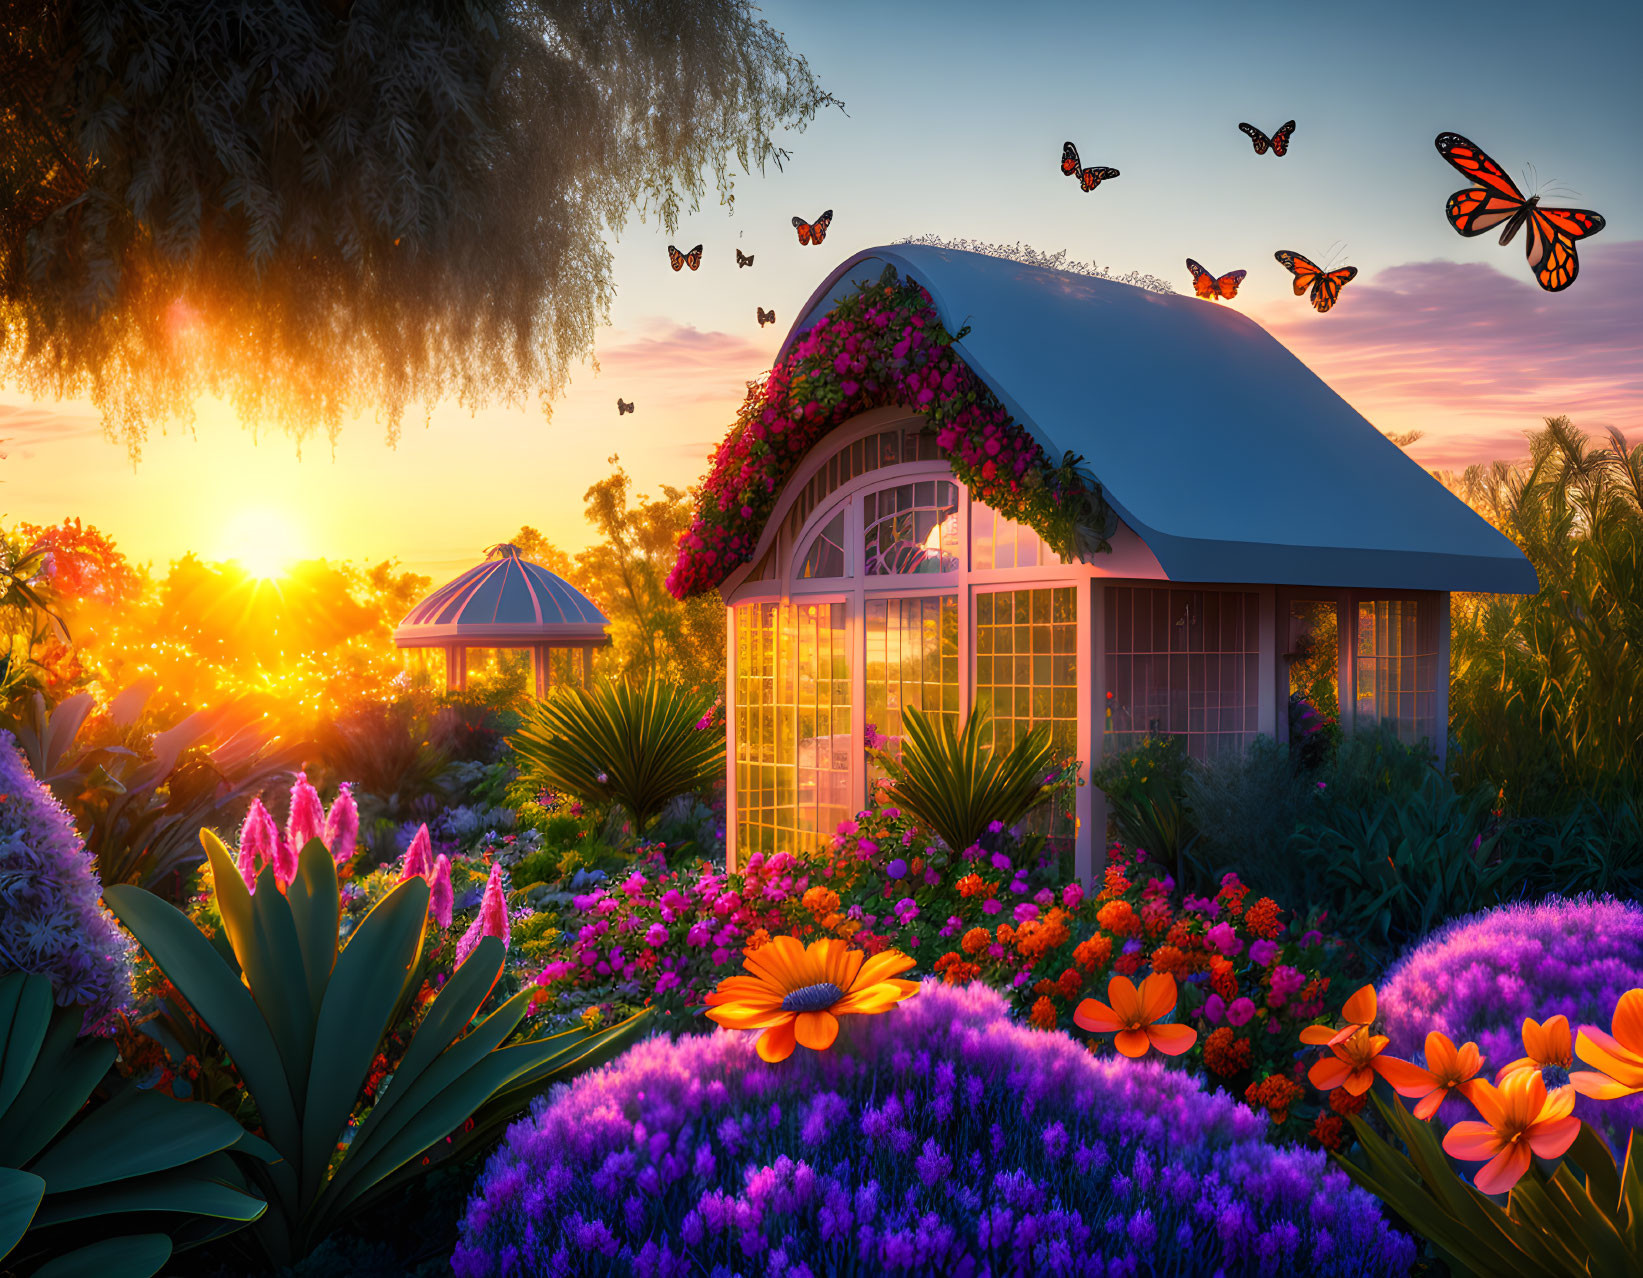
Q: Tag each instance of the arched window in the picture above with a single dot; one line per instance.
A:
(911, 529)
(826, 557)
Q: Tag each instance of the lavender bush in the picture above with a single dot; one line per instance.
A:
(51, 914)
(1479, 976)
(939, 1138)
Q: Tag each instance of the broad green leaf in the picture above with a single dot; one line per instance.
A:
(316, 910)
(137, 1256)
(65, 1073)
(135, 1133)
(20, 1194)
(25, 1011)
(217, 996)
(183, 1192)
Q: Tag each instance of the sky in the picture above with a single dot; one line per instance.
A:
(955, 114)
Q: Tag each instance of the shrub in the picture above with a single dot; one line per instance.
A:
(1146, 791)
(1246, 803)
(51, 918)
(1477, 978)
(937, 1138)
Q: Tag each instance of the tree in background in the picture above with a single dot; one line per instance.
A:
(652, 633)
(308, 208)
(1546, 691)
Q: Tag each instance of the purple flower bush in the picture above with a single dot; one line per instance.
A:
(939, 1138)
(1478, 977)
(51, 915)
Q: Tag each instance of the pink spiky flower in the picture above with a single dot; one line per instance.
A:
(492, 919)
(285, 862)
(419, 857)
(258, 838)
(441, 896)
(341, 834)
(307, 819)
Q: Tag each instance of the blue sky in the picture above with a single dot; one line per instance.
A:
(956, 116)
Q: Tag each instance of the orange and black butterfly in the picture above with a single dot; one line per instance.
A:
(1278, 143)
(766, 317)
(1090, 178)
(1496, 199)
(813, 232)
(692, 259)
(743, 259)
(623, 406)
(1215, 286)
(1326, 285)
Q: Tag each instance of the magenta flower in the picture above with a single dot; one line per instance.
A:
(655, 935)
(492, 919)
(906, 909)
(258, 838)
(1026, 912)
(1072, 896)
(1262, 952)
(285, 861)
(990, 906)
(1215, 1007)
(418, 862)
(1223, 938)
(1240, 1011)
(307, 819)
(441, 898)
(341, 833)
(897, 869)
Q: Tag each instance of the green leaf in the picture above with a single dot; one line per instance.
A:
(136, 1256)
(316, 909)
(20, 1194)
(135, 1133)
(179, 1191)
(65, 1073)
(25, 1011)
(217, 996)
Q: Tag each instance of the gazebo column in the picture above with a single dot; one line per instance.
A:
(587, 667)
(456, 668)
(541, 655)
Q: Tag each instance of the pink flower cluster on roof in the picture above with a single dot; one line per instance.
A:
(882, 345)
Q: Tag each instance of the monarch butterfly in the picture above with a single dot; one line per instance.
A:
(766, 317)
(812, 232)
(1212, 286)
(622, 406)
(743, 259)
(1090, 178)
(1278, 142)
(692, 259)
(1496, 199)
(1326, 286)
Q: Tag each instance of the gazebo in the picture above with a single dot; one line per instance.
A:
(506, 602)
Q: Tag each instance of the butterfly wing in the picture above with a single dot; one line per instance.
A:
(1091, 178)
(675, 258)
(1327, 288)
(1551, 247)
(1303, 269)
(1261, 141)
(803, 228)
(1203, 283)
(1493, 199)
(1227, 285)
(693, 259)
(1069, 159)
(1280, 139)
(818, 228)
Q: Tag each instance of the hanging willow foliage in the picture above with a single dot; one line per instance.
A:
(313, 206)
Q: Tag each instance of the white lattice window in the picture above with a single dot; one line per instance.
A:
(1395, 651)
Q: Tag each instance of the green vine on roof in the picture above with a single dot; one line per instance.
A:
(882, 345)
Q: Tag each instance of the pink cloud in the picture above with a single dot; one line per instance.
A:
(684, 363)
(23, 427)
(1476, 355)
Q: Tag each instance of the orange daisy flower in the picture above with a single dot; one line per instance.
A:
(1360, 1011)
(1133, 1015)
(1519, 1119)
(796, 995)
(1354, 1063)
(1551, 1053)
(1619, 1054)
(1448, 1070)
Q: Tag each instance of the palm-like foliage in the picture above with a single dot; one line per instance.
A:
(1547, 691)
(302, 1019)
(956, 787)
(639, 745)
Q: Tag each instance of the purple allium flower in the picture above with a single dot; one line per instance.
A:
(897, 869)
(1478, 977)
(52, 918)
(846, 1160)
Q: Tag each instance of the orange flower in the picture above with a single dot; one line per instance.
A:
(1354, 1064)
(1447, 1070)
(1167, 958)
(969, 885)
(757, 940)
(820, 901)
(1327, 1130)
(1551, 1052)
(796, 995)
(1619, 1055)
(1262, 918)
(1225, 1053)
(1360, 1012)
(1519, 1118)
(976, 940)
(1043, 1015)
(1134, 1015)
(1118, 917)
(1093, 953)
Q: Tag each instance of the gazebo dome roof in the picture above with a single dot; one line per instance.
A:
(506, 600)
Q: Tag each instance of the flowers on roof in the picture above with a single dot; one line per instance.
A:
(882, 345)
(796, 994)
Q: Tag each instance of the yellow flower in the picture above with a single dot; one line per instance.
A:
(796, 995)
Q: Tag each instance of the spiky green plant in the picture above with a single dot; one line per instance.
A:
(955, 786)
(639, 745)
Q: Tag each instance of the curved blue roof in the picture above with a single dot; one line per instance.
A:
(507, 599)
(1229, 457)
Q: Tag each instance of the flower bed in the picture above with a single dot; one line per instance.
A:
(940, 1137)
(883, 344)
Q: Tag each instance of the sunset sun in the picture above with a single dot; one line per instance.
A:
(262, 541)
